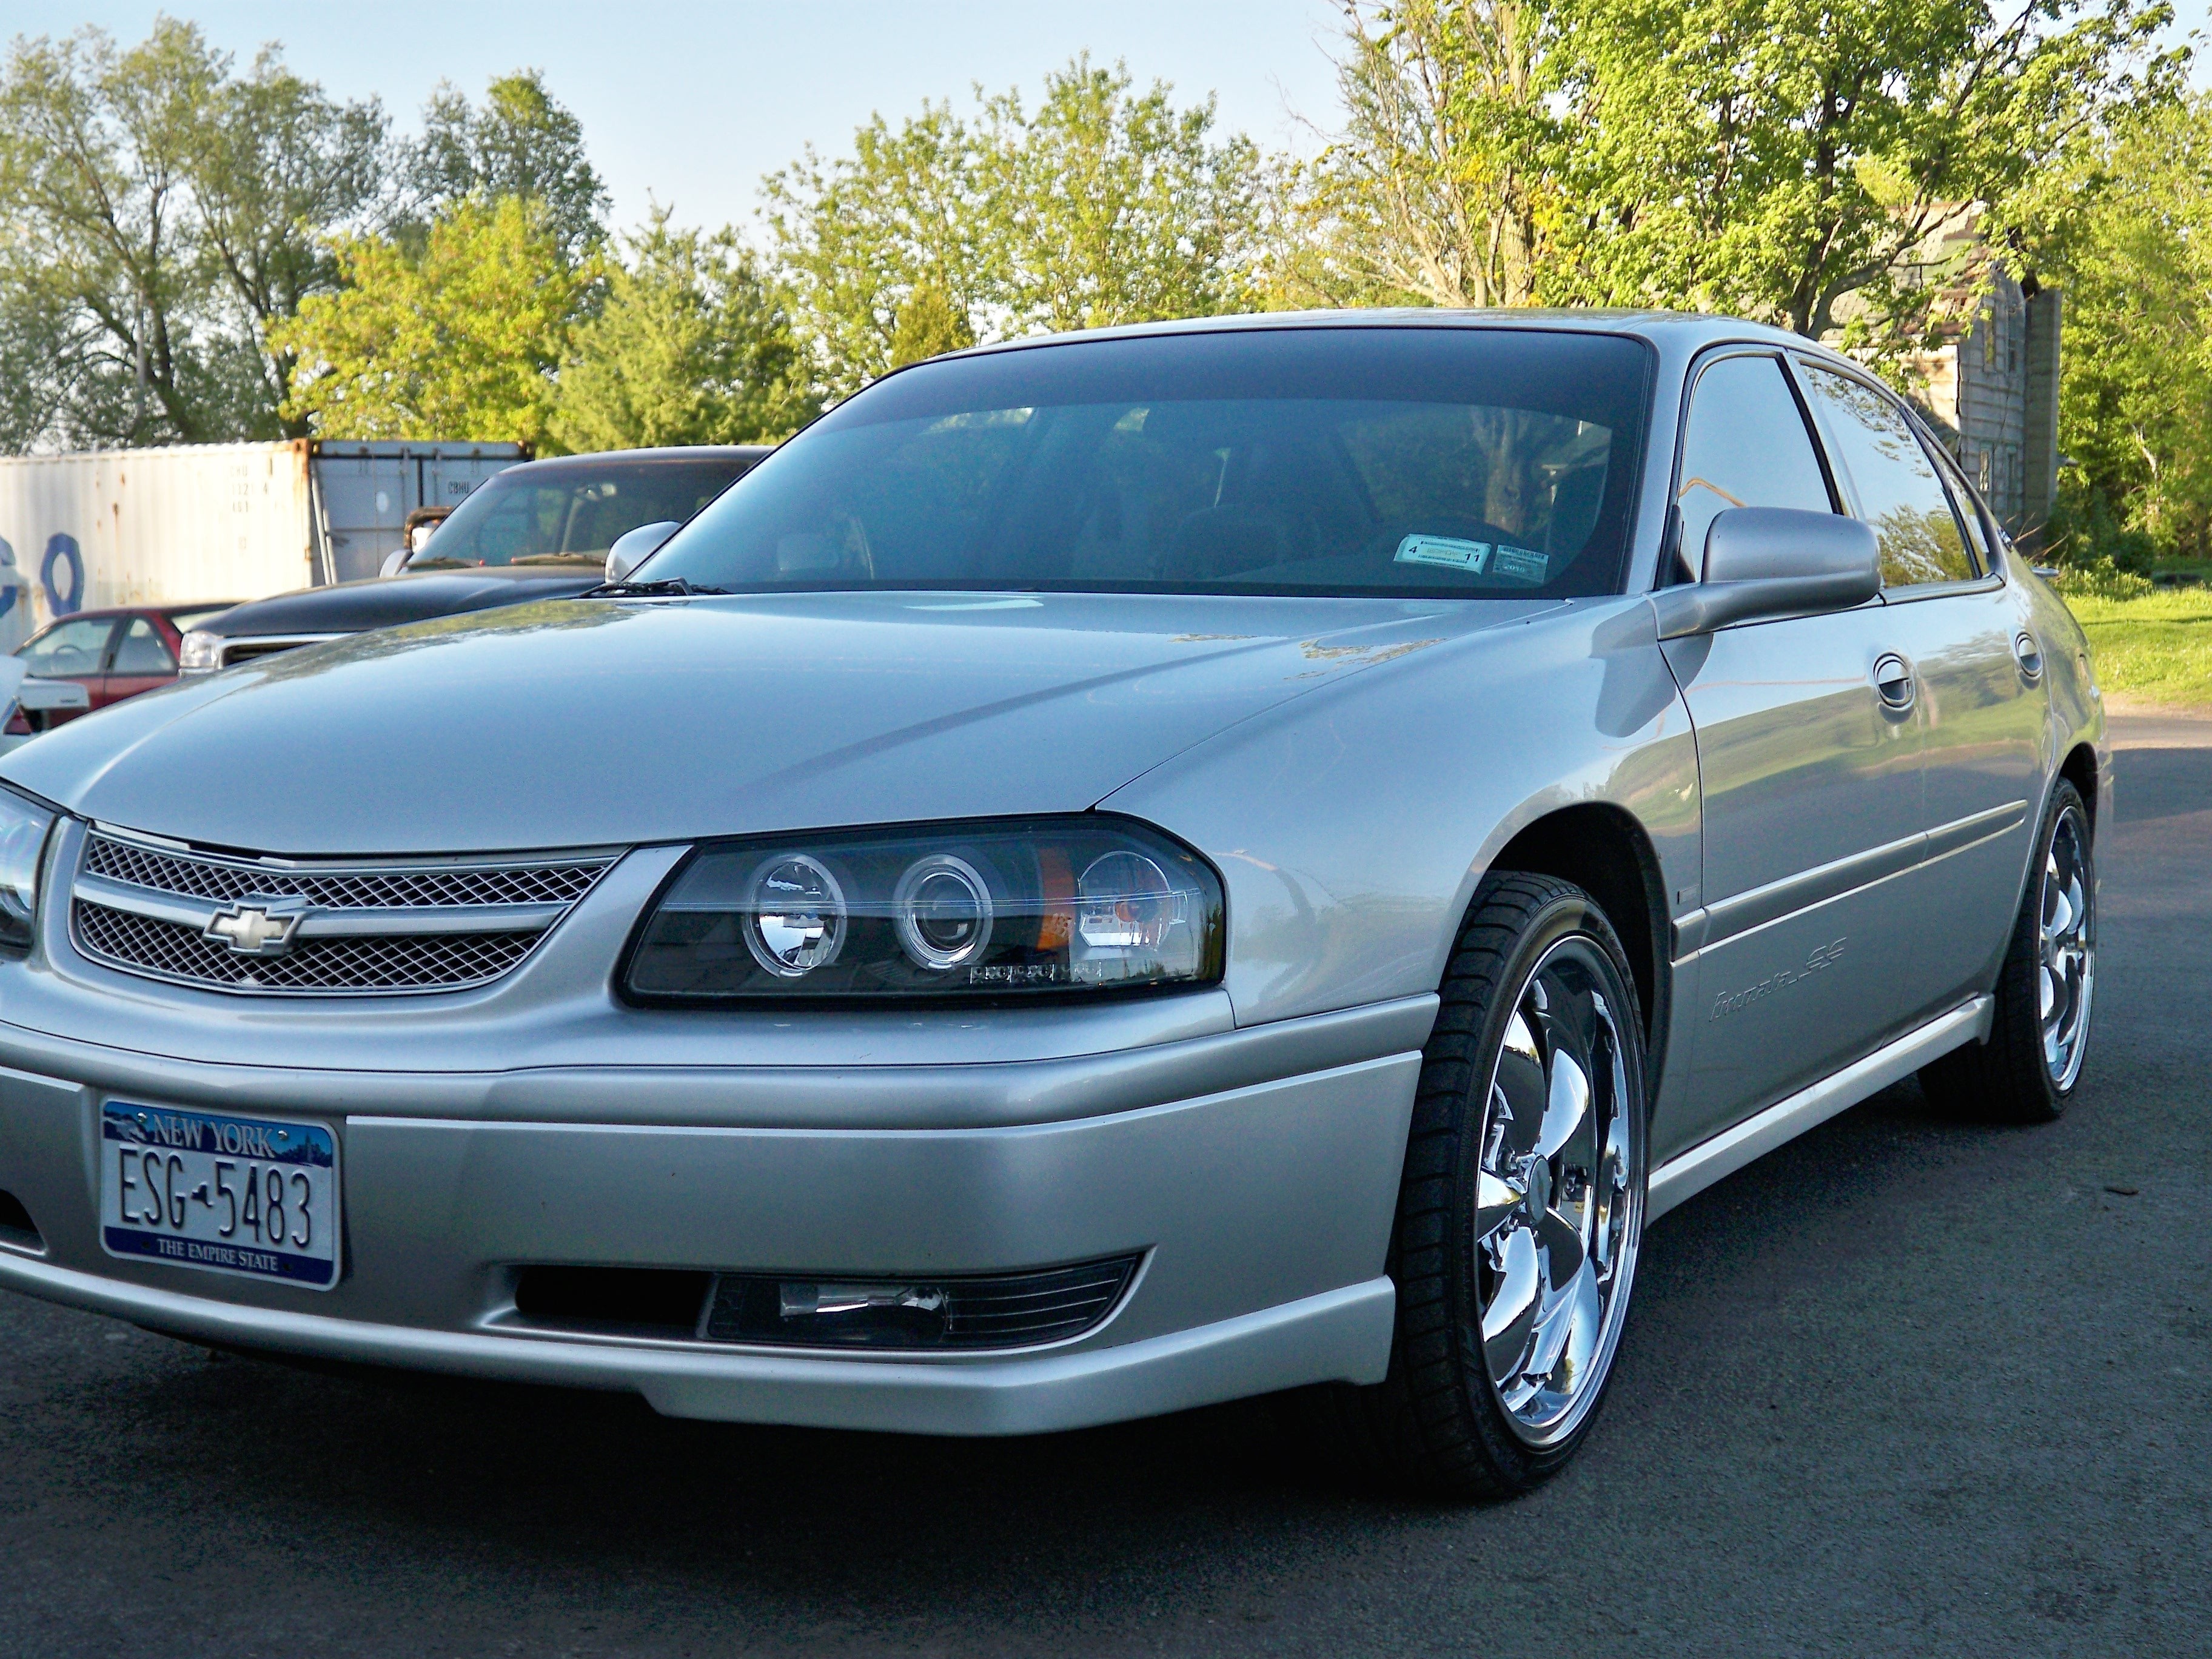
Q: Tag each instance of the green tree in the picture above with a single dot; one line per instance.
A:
(1441, 187)
(460, 339)
(521, 142)
(1108, 207)
(1103, 206)
(157, 213)
(859, 237)
(692, 346)
(1792, 160)
(929, 324)
(277, 168)
(2128, 226)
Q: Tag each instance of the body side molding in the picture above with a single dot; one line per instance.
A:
(1690, 1173)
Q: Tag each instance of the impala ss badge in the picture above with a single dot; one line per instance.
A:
(252, 931)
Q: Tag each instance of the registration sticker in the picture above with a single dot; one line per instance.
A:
(1520, 564)
(253, 1196)
(1444, 551)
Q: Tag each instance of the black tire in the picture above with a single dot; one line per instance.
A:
(2009, 1079)
(1437, 1423)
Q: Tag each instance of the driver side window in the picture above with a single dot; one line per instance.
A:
(1746, 444)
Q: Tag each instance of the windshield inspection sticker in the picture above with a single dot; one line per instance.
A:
(1520, 564)
(1444, 550)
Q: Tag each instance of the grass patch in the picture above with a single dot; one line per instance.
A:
(2156, 646)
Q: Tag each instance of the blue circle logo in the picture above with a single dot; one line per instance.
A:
(59, 546)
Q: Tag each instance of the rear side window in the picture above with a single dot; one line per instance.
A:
(141, 651)
(1899, 495)
(1746, 444)
(1970, 511)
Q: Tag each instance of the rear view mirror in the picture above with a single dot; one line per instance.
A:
(634, 547)
(394, 562)
(1773, 561)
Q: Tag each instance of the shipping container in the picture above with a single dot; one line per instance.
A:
(213, 521)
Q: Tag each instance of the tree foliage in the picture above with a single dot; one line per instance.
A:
(1441, 189)
(692, 346)
(158, 212)
(2127, 224)
(1787, 160)
(1792, 158)
(1104, 206)
(521, 142)
(460, 339)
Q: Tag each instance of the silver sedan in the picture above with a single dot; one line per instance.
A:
(1111, 873)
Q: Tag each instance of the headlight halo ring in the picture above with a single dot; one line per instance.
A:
(907, 898)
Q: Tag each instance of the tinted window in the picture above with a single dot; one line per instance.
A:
(570, 513)
(1746, 444)
(69, 648)
(1970, 511)
(1338, 460)
(141, 651)
(1898, 493)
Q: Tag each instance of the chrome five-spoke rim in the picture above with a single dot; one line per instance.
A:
(1559, 1204)
(2066, 972)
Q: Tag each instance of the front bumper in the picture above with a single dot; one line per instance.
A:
(1255, 1172)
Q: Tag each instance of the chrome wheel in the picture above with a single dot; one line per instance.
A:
(1559, 1200)
(2067, 971)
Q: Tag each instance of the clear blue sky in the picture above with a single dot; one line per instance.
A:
(694, 102)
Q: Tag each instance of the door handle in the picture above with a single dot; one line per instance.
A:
(2029, 655)
(1892, 682)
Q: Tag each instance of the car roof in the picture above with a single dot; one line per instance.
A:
(1685, 329)
(104, 612)
(726, 452)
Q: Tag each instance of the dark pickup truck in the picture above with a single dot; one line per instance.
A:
(537, 531)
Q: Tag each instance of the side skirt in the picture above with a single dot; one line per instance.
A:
(1690, 1173)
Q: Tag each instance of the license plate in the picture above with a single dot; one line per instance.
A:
(249, 1195)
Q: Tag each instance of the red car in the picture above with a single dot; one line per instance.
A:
(113, 654)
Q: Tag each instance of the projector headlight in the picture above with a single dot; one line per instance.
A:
(1004, 908)
(23, 828)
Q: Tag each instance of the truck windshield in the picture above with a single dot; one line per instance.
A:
(1368, 460)
(570, 511)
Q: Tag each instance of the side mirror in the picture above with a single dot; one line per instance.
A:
(394, 562)
(1773, 561)
(634, 547)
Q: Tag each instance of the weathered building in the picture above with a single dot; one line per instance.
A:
(1992, 386)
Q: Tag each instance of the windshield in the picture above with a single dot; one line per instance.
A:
(570, 513)
(1330, 460)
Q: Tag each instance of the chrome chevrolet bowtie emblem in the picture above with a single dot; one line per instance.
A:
(252, 931)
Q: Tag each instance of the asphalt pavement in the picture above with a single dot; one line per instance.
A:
(1904, 1386)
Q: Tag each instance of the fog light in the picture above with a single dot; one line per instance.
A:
(862, 1313)
(974, 1310)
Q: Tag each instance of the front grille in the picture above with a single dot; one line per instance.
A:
(235, 652)
(550, 884)
(360, 928)
(394, 962)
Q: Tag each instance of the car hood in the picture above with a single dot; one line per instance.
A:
(389, 601)
(604, 722)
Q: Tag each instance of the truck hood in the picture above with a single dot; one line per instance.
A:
(572, 723)
(390, 601)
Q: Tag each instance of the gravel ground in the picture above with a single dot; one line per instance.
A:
(1904, 1386)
